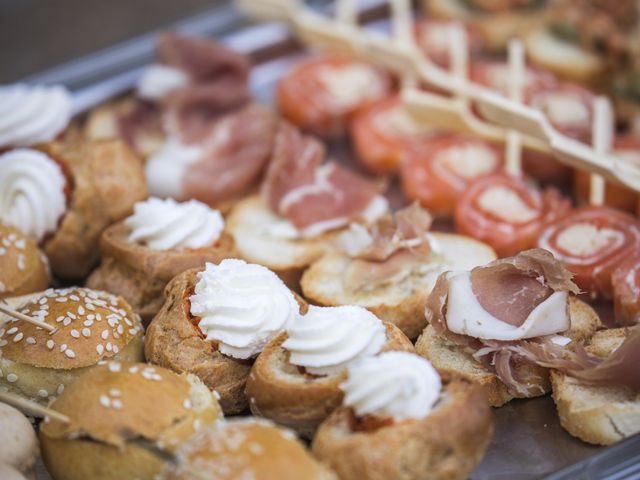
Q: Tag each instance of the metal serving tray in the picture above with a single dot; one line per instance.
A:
(529, 442)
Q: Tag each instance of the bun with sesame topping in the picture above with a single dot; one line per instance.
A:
(126, 420)
(245, 448)
(23, 267)
(90, 326)
(105, 180)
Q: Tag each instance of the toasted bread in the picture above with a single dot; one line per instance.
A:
(451, 361)
(597, 414)
(400, 301)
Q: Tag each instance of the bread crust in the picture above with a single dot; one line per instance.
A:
(249, 223)
(400, 302)
(279, 391)
(173, 342)
(158, 411)
(23, 267)
(141, 274)
(447, 444)
(108, 179)
(451, 361)
(597, 414)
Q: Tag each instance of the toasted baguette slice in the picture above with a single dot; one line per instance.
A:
(563, 58)
(597, 414)
(102, 123)
(401, 299)
(496, 29)
(451, 361)
(252, 225)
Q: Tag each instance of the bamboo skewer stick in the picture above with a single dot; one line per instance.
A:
(25, 318)
(32, 408)
(501, 111)
(516, 82)
(602, 134)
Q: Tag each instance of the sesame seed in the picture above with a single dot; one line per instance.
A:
(71, 315)
(80, 310)
(12, 330)
(12, 377)
(114, 366)
(117, 404)
(70, 353)
(2, 251)
(187, 404)
(86, 332)
(21, 263)
(50, 344)
(120, 330)
(104, 334)
(115, 349)
(133, 331)
(20, 244)
(98, 317)
(75, 298)
(2, 332)
(61, 299)
(43, 393)
(114, 392)
(18, 337)
(109, 347)
(66, 322)
(105, 401)
(60, 318)
(133, 369)
(42, 301)
(87, 323)
(100, 349)
(63, 347)
(90, 306)
(74, 333)
(3, 343)
(60, 389)
(31, 340)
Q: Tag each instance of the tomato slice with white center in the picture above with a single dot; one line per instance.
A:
(322, 94)
(507, 212)
(439, 171)
(592, 242)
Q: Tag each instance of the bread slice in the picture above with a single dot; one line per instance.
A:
(597, 414)
(451, 361)
(253, 225)
(565, 59)
(496, 29)
(400, 300)
(102, 123)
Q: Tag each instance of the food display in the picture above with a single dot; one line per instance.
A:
(339, 285)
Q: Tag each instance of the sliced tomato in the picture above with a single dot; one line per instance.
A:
(507, 212)
(593, 242)
(432, 36)
(627, 147)
(626, 291)
(384, 135)
(440, 170)
(321, 95)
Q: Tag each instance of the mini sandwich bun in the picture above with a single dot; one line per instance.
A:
(126, 419)
(23, 267)
(18, 443)
(90, 326)
(245, 448)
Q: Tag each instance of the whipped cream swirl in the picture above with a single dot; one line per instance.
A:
(158, 81)
(32, 196)
(168, 225)
(400, 385)
(327, 339)
(166, 169)
(242, 306)
(31, 115)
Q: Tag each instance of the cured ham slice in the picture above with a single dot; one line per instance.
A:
(569, 109)
(306, 192)
(439, 171)
(627, 148)
(626, 291)
(507, 213)
(228, 161)
(323, 94)
(592, 242)
(512, 291)
(434, 39)
(385, 134)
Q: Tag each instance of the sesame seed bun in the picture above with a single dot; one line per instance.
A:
(23, 267)
(245, 448)
(90, 326)
(126, 419)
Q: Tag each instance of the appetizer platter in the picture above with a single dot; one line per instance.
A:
(371, 240)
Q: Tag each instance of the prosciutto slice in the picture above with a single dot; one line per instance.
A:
(236, 150)
(509, 289)
(626, 291)
(298, 187)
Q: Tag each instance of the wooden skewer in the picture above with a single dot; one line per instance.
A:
(32, 408)
(21, 316)
(347, 12)
(516, 80)
(403, 35)
(602, 138)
